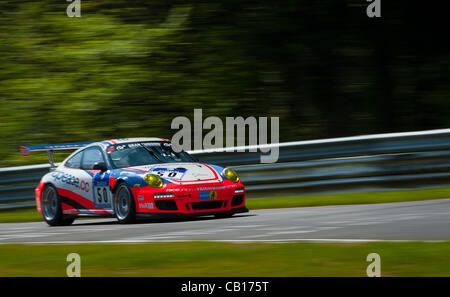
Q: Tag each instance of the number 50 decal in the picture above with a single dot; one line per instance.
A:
(102, 197)
(102, 193)
(170, 173)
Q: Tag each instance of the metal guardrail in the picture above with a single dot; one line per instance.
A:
(17, 185)
(382, 161)
(369, 162)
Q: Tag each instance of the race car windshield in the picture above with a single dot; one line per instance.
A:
(145, 153)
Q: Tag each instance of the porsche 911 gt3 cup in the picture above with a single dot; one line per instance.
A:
(133, 178)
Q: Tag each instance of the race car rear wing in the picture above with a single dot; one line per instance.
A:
(49, 148)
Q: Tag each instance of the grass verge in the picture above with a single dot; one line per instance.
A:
(31, 215)
(228, 259)
(20, 215)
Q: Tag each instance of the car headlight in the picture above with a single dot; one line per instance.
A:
(231, 175)
(153, 180)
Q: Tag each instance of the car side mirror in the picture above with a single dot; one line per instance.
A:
(100, 166)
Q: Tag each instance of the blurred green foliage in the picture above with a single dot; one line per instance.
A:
(127, 68)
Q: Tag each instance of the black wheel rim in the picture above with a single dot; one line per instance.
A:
(122, 203)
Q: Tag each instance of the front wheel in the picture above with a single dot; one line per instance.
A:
(52, 209)
(124, 206)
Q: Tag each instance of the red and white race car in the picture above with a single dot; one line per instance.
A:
(133, 178)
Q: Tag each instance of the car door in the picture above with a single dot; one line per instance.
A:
(74, 185)
(101, 193)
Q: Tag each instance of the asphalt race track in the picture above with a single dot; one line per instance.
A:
(422, 220)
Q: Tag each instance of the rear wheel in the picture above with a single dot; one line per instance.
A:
(124, 206)
(52, 209)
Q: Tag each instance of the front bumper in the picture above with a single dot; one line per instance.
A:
(175, 215)
(198, 199)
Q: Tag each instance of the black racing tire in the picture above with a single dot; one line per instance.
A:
(124, 205)
(67, 221)
(52, 209)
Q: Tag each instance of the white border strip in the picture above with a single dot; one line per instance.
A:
(287, 240)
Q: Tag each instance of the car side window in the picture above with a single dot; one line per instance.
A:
(74, 161)
(90, 157)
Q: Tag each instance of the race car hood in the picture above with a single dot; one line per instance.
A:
(182, 173)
